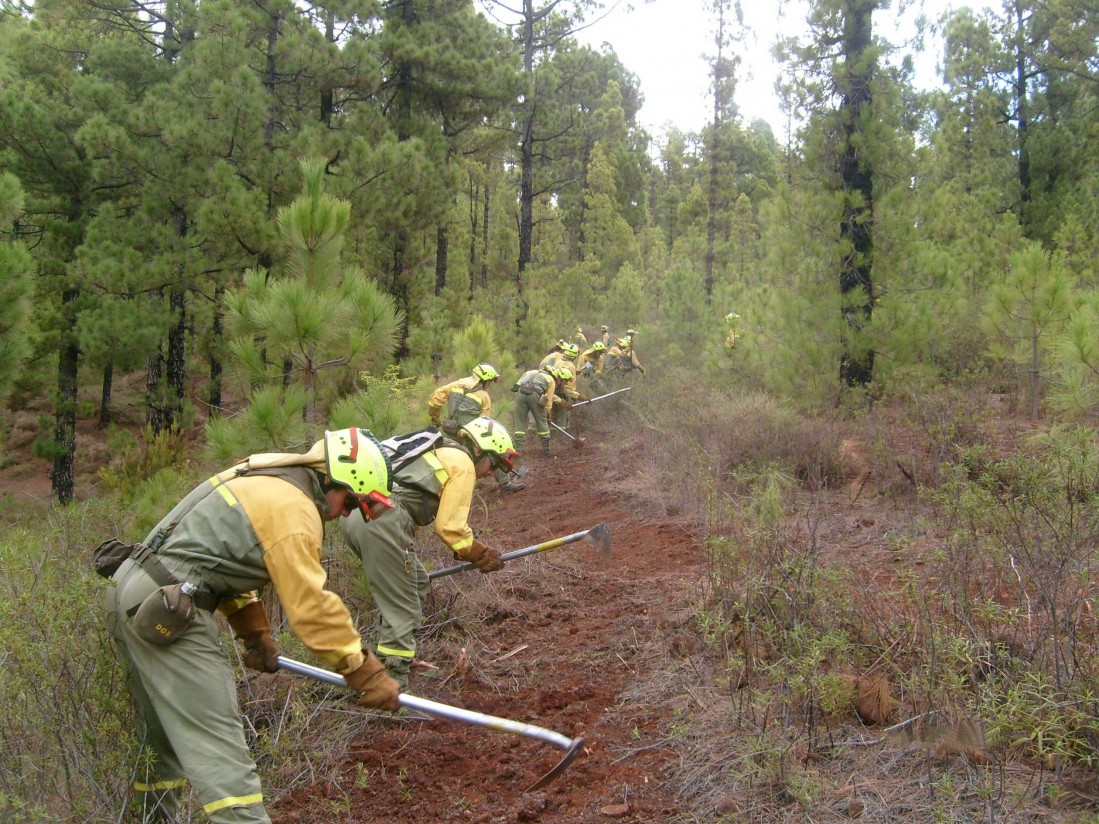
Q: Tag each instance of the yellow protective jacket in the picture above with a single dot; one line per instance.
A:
(567, 390)
(236, 532)
(551, 360)
(592, 357)
(468, 386)
(438, 487)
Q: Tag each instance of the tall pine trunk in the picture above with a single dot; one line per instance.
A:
(68, 365)
(105, 396)
(856, 223)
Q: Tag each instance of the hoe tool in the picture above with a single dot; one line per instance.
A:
(598, 537)
(600, 397)
(572, 746)
(577, 442)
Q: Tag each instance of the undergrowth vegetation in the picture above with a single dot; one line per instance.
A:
(959, 630)
(904, 595)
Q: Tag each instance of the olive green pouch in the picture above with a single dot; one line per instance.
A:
(165, 614)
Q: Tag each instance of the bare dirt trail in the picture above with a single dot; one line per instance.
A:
(563, 639)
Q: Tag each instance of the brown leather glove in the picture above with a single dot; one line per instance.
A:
(250, 625)
(379, 691)
(484, 558)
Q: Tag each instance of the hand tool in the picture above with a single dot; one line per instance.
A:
(599, 537)
(572, 746)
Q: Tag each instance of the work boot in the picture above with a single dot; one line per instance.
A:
(520, 473)
(512, 486)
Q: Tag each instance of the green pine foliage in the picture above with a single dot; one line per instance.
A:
(16, 285)
(1026, 314)
(314, 317)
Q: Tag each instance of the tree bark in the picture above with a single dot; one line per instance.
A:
(105, 396)
(856, 224)
(68, 366)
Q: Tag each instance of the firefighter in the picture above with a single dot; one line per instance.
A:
(534, 399)
(452, 406)
(579, 338)
(564, 353)
(605, 335)
(435, 486)
(590, 366)
(567, 394)
(259, 522)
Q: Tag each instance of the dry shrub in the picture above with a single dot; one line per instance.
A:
(754, 430)
(874, 702)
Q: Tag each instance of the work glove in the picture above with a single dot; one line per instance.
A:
(484, 558)
(377, 689)
(249, 624)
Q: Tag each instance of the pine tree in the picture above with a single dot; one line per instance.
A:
(1026, 314)
(314, 315)
(16, 285)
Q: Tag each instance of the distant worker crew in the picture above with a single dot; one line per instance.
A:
(452, 406)
(579, 338)
(605, 335)
(259, 522)
(434, 487)
(534, 399)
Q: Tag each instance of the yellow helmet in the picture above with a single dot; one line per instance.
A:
(354, 459)
(570, 351)
(622, 343)
(598, 346)
(492, 438)
(563, 373)
(485, 372)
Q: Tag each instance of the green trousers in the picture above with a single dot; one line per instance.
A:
(527, 407)
(398, 583)
(186, 701)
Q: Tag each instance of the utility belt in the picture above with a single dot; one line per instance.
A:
(155, 569)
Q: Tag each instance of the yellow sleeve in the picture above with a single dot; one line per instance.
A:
(452, 519)
(437, 401)
(290, 530)
(486, 402)
(550, 397)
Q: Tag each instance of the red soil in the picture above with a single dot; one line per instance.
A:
(564, 640)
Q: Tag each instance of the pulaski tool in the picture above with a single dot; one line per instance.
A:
(572, 746)
(598, 537)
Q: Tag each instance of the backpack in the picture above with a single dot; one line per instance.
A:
(401, 450)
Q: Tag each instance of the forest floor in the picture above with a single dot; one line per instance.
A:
(610, 649)
(560, 639)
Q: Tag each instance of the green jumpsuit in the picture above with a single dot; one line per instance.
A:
(534, 399)
(436, 487)
(231, 535)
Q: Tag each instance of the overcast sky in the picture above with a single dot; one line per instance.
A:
(664, 42)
